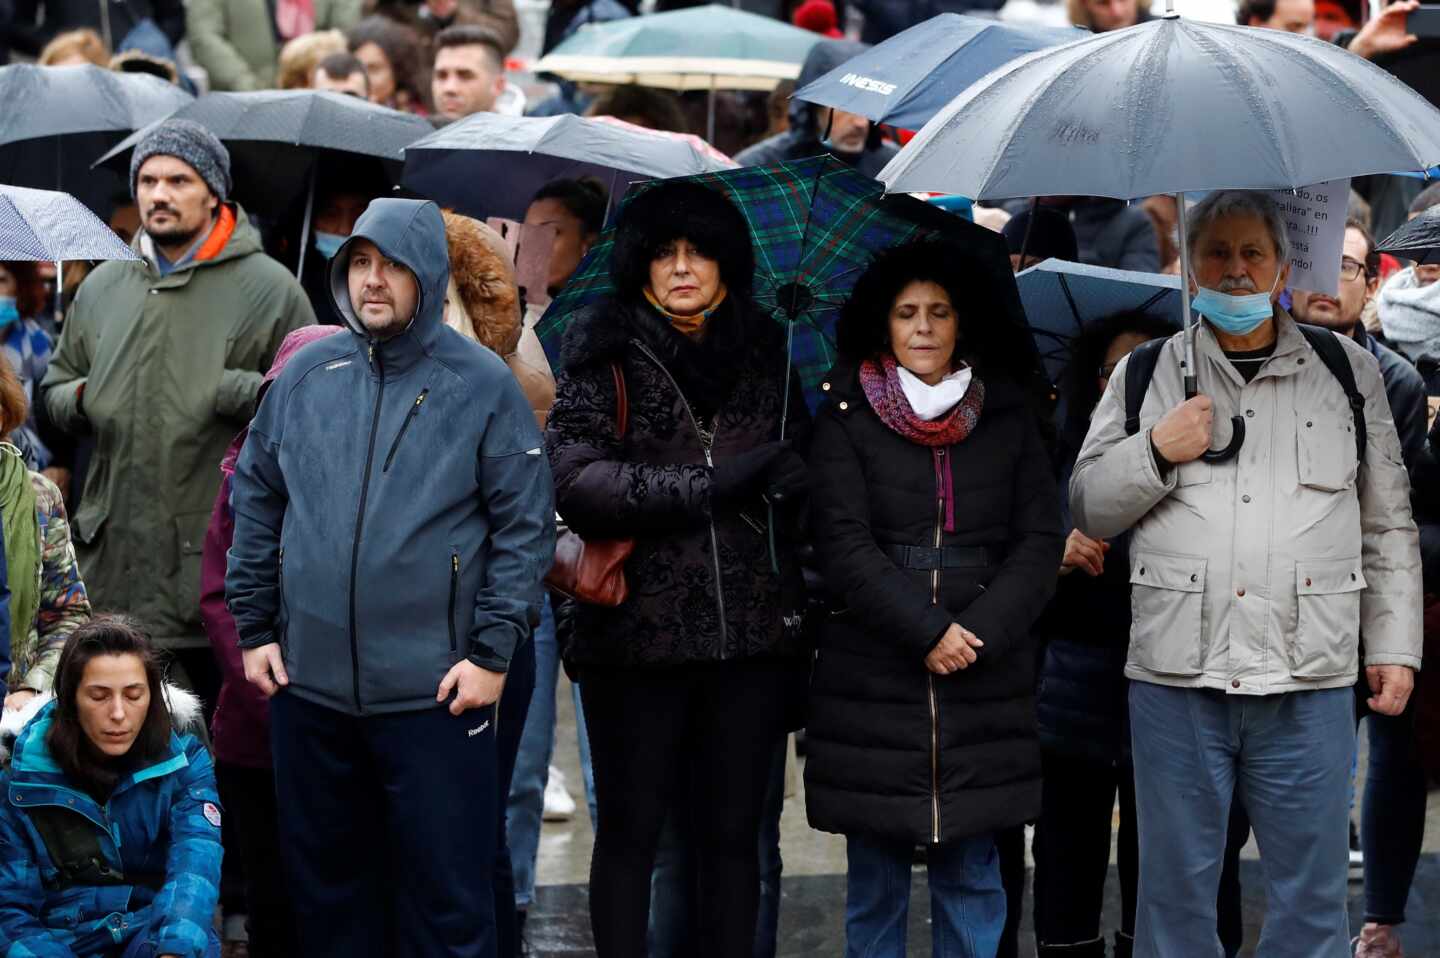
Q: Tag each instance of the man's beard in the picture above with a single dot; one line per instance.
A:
(177, 235)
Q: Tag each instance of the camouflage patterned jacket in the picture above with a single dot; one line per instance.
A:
(64, 605)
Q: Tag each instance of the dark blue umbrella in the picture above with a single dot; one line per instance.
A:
(39, 225)
(1061, 299)
(910, 77)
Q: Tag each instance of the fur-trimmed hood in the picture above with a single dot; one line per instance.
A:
(482, 274)
(186, 715)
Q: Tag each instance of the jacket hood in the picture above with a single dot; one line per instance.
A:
(822, 58)
(412, 233)
(484, 278)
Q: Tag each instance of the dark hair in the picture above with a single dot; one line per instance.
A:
(82, 763)
(338, 66)
(30, 292)
(586, 199)
(1248, 10)
(401, 46)
(681, 210)
(1372, 258)
(656, 109)
(472, 35)
(1087, 352)
(1429, 196)
(863, 330)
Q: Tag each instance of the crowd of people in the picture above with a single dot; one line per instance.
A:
(282, 632)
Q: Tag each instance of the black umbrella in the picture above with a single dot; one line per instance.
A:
(1418, 239)
(58, 119)
(278, 139)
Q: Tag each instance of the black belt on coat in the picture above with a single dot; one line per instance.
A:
(946, 557)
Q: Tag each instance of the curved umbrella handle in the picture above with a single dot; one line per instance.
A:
(1237, 439)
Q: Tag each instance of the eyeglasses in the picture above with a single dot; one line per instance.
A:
(1350, 270)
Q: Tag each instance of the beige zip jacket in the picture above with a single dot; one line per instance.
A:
(1259, 575)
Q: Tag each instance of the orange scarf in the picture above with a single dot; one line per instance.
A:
(694, 322)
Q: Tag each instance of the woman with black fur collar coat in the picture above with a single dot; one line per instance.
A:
(686, 685)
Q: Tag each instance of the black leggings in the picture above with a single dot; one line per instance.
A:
(700, 734)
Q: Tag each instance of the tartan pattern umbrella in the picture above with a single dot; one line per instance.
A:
(815, 225)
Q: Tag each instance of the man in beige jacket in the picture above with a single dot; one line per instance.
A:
(1252, 583)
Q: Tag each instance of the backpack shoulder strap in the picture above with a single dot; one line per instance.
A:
(1138, 373)
(1332, 353)
(622, 401)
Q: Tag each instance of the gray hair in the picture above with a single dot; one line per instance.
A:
(1224, 203)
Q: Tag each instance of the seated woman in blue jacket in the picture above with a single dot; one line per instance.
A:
(109, 820)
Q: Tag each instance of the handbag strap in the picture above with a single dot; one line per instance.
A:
(622, 402)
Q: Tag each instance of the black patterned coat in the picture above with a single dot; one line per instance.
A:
(702, 588)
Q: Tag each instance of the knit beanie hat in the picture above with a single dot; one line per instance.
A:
(188, 141)
(1052, 236)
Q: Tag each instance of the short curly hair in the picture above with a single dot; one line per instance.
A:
(681, 210)
(862, 331)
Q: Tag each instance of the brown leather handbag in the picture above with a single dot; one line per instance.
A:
(592, 571)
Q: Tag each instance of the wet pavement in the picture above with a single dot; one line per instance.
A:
(813, 889)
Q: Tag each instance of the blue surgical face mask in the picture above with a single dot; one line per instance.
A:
(9, 311)
(1236, 315)
(328, 244)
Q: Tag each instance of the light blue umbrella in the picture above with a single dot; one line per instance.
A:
(42, 225)
(911, 76)
(1062, 298)
(710, 48)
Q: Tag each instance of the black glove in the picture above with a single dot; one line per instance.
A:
(742, 476)
(786, 477)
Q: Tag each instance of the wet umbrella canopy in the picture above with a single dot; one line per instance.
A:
(912, 76)
(1418, 239)
(1172, 106)
(41, 225)
(491, 165)
(58, 119)
(276, 138)
(1061, 298)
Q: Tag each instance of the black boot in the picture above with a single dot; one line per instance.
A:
(1082, 949)
(1124, 945)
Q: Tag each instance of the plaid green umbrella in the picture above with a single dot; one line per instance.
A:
(815, 225)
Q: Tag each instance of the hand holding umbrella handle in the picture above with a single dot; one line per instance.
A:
(1237, 430)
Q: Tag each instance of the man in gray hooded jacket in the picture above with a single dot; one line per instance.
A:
(393, 524)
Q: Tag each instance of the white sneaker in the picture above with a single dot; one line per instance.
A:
(559, 806)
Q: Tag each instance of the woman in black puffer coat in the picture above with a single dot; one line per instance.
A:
(935, 518)
(687, 685)
(1082, 707)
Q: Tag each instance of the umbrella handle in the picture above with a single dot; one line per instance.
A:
(1237, 430)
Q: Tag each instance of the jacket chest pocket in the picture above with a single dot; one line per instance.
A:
(1325, 456)
(1167, 601)
(1327, 627)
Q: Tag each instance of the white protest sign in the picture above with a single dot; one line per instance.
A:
(1315, 223)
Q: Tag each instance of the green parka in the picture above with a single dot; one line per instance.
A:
(234, 40)
(169, 368)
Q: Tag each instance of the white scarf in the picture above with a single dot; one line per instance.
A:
(1410, 315)
(932, 402)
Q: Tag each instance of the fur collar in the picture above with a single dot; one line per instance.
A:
(185, 713)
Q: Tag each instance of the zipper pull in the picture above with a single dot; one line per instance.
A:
(420, 398)
(454, 563)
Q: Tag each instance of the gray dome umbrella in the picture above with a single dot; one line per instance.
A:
(1172, 106)
(58, 119)
(41, 225)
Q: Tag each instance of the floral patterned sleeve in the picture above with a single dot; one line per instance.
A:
(64, 604)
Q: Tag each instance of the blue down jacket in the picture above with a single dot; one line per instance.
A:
(159, 830)
(394, 512)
